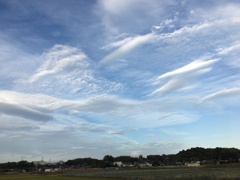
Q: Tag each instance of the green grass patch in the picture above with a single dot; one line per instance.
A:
(44, 177)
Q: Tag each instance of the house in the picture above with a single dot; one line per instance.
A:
(118, 163)
(193, 164)
(48, 170)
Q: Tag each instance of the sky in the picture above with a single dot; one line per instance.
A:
(88, 78)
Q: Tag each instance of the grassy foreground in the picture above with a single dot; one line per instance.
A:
(163, 173)
(45, 177)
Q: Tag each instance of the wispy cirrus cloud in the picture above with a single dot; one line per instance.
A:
(230, 54)
(204, 29)
(225, 51)
(117, 43)
(182, 76)
(127, 46)
(189, 68)
(225, 93)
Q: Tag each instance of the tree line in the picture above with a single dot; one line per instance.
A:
(17, 165)
(189, 155)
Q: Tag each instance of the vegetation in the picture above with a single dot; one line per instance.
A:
(17, 165)
(153, 173)
(199, 154)
(220, 155)
(49, 177)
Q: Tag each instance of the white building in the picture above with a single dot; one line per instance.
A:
(118, 163)
(193, 164)
(42, 162)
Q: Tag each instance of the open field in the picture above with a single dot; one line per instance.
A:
(163, 173)
(45, 177)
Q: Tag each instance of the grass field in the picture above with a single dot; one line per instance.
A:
(45, 177)
(165, 173)
(179, 173)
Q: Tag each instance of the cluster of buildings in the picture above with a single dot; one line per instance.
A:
(146, 164)
(43, 166)
(142, 165)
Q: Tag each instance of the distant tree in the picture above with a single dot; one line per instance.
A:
(153, 158)
(193, 154)
(156, 163)
(141, 158)
(108, 158)
(126, 159)
(108, 161)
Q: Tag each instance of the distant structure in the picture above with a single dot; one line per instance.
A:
(41, 162)
(193, 164)
(118, 163)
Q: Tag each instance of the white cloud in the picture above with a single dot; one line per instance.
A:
(204, 28)
(60, 58)
(166, 25)
(185, 31)
(230, 54)
(127, 46)
(118, 43)
(172, 85)
(189, 68)
(227, 50)
(225, 93)
(182, 76)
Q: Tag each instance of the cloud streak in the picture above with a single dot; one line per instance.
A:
(225, 93)
(127, 46)
(227, 50)
(182, 76)
(189, 68)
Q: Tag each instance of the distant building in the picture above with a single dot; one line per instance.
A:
(48, 170)
(193, 164)
(118, 163)
(42, 162)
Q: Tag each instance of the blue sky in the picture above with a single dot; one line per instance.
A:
(131, 77)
